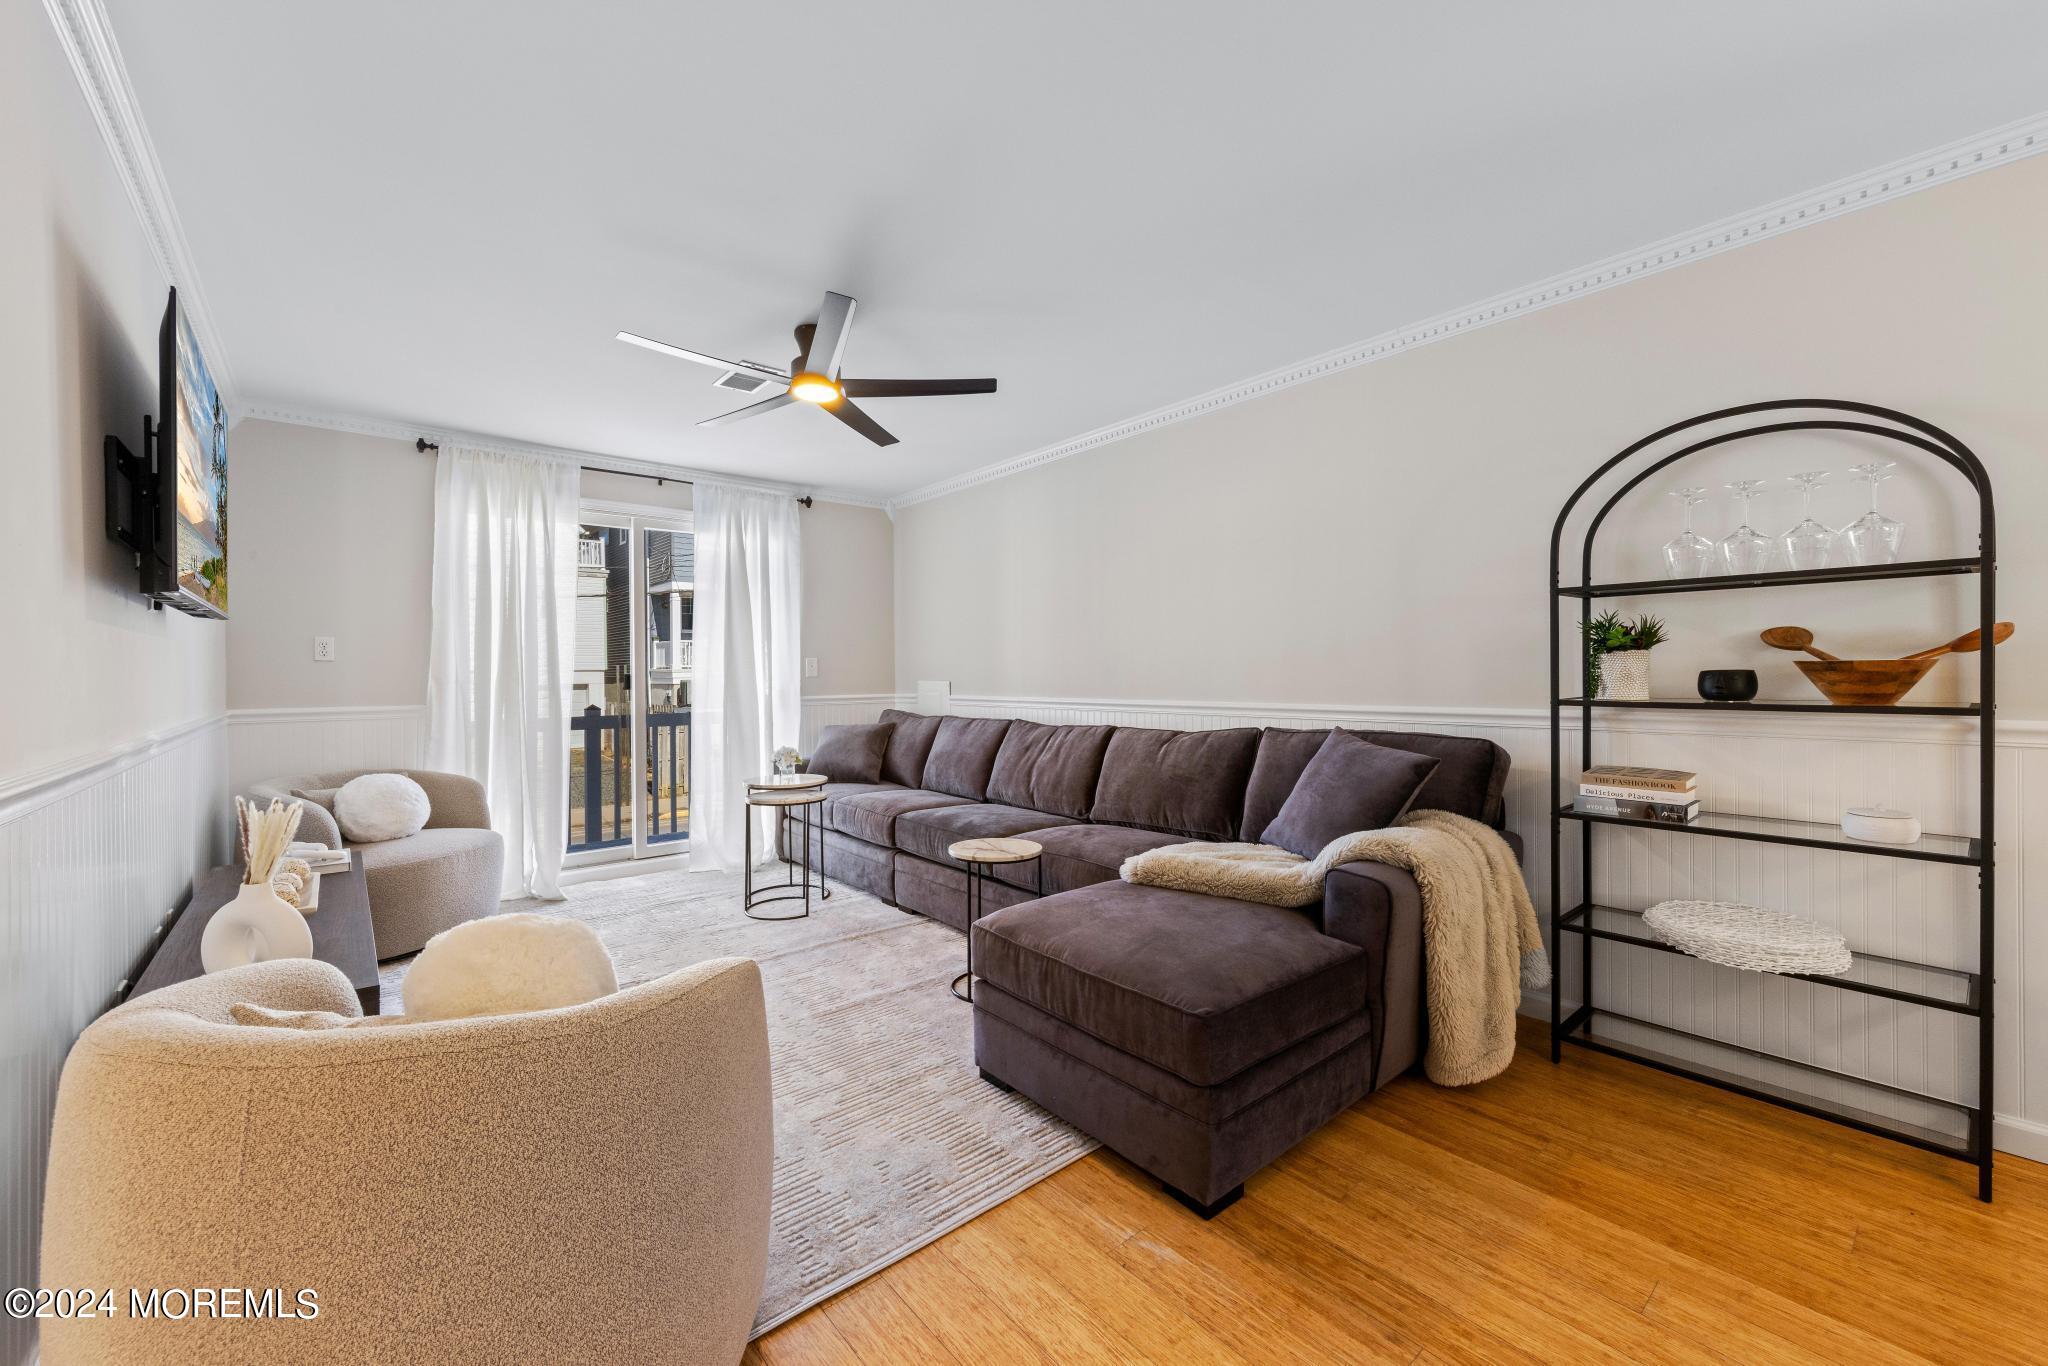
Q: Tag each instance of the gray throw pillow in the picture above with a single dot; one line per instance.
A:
(319, 796)
(852, 754)
(1350, 785)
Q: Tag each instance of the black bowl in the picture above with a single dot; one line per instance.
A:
(1728, 685)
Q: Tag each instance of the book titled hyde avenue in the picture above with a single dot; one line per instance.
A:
(1664, 813)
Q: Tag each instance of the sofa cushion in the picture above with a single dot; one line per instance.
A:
(909, 743)
(1186, 782)
(1283, 754)
(1081, 855)
(963, 755)
(1049, 768)
(1350, 785)
(1468, 782)
(1202, 986)
(851, 754)
(869, 812)
(928, 833)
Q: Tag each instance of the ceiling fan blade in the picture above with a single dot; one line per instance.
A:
(828, 343)
(745, 367)
(914, 388)
(751, 410)
(846, 412)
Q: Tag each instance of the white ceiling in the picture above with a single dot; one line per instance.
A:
(440, 213)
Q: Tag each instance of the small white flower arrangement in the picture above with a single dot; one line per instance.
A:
(787, 759)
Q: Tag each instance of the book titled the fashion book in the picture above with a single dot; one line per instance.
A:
(1673, 780)
(1664, 813)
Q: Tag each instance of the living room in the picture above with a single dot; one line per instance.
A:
(1383, 717)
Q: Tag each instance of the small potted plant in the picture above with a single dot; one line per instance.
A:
(1618, 656)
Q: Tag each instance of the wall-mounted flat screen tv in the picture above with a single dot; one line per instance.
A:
(189, 569)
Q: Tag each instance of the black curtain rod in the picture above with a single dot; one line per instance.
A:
(422, 445)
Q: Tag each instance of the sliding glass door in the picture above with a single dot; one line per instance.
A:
(629, 728)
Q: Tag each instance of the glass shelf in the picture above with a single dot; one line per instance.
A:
(1732, 1069)
(1897, 979)
(1853, 573)
(1811, 834)
(1820, 708)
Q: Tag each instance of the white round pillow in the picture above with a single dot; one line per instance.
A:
(505, 965)
(381, 806)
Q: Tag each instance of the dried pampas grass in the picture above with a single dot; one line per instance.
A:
(266, 833)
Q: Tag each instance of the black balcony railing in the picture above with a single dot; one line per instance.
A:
(600, 793)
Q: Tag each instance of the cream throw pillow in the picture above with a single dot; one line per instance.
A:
(381, 806)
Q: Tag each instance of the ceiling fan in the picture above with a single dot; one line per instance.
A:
(813, 377)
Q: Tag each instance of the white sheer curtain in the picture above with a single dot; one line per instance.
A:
(504, 618)
(745, 700)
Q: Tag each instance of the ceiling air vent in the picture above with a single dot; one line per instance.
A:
(746, 384)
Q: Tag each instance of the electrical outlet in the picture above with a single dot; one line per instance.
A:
(810, 666)
(323, 649)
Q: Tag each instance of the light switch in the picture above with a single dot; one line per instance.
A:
(810, 666)
(323, 649)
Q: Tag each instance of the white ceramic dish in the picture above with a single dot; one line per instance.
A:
(1880, 825)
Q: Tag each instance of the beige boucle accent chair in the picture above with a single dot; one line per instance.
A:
(575, 1185)
(452, 871)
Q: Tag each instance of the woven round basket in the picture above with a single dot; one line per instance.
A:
(1750, 937)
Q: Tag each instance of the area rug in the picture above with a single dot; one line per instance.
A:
(885, 1135)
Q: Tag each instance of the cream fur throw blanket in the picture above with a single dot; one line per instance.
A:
(1480, 941)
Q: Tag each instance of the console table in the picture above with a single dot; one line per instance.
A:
(342, 933)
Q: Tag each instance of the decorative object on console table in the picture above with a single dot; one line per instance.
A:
(1727, 685)
(258, 925)
(1953, 1119)
(1618, 656)
(1753, 938)
(343, 933)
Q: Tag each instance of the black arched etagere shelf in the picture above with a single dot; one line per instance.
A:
(1923, 985)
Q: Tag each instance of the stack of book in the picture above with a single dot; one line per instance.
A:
(1668, 795)
(319, 857)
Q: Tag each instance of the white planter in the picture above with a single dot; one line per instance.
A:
(257, 926)
(1625, 676)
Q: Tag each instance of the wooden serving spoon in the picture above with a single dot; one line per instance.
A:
(1966, 642)
(1793, 638)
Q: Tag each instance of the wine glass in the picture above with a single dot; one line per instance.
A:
(1874, 538)
(1745, 550)
(1807, 544)
(1687, 555)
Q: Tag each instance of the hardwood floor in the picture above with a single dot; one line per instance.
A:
(1597, 1211)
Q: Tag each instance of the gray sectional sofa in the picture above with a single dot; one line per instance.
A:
(1198, 1036)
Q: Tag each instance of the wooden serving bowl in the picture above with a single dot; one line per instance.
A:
(1865, 682)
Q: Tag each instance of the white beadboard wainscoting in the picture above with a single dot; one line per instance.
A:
(272, 742)
(94, 855)
(1805, 767)
(277, 742)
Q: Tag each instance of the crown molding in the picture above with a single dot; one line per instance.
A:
(616, 464)
(1981, 152)
(87, 37)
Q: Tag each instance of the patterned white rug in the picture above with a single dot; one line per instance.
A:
(885, 1136)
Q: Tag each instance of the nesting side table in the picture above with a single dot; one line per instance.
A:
(982, 858)
(802, 793)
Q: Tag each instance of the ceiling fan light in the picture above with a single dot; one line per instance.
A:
(814, 389)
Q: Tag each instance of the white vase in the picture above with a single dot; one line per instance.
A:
(257, 926)
(1625, 676)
